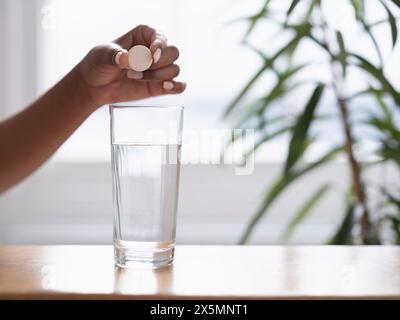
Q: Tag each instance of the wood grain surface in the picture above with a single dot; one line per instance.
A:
(216, 272)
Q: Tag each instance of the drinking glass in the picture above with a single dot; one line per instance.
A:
(145, 158)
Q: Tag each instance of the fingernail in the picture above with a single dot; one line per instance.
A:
(118, 57)
(131, 74)
(157, 55)
(168, 85)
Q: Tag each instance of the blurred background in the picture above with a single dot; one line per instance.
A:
(69, 199)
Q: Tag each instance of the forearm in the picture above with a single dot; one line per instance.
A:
(30, 137)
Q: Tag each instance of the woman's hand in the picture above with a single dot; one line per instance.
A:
(105, 72)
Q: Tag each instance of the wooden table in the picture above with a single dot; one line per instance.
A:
(226, 272)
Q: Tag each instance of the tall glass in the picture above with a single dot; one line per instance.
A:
(145, 157)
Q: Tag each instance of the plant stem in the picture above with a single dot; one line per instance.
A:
(358, 187)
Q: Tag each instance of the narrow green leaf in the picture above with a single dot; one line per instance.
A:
(393, 23)
(244, 91)
(390, 152)
(256, 50)
(322, 45)
(368, 31)
(253, 20)
(267, 137)
(396, 2)
(357, 5)
(257, 108)
(313, 5)
(277, 188)
(393, 199)
(302, 29)
(291, 71)
(265, 124)
(300, 131)
(293, 6)
(268, 65)
(326, 158)
(343, 233)
(280, 184)
(277, 92)
(304, 212)
(386, 126)
(385, 108)
(395, 226)
(289, 48)
(342, 52)
(378, 74)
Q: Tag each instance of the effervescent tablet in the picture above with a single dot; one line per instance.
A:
(140, 58)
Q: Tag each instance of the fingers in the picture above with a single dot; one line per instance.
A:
(151, 38)
(158, 79)
(107, 54)
(136, 75)
(174, 87)
(143, 35)
(158, 46)
(147, 36)
(121, 59)
(169, 56)
(167, 73)
(165, 87)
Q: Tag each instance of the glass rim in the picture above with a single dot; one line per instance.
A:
(127, 106)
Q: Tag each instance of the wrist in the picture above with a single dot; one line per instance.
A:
(80, 90)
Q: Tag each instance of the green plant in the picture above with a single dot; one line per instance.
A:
(306, 21)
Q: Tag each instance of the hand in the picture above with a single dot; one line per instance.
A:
(109, 82)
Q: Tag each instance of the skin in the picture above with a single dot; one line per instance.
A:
(31, 136)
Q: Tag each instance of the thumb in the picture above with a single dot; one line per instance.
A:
(110, 54)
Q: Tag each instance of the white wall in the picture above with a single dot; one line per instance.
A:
(18, 57)
(71, 203)
(2, 57)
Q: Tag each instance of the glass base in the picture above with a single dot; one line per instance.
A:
(133, 254)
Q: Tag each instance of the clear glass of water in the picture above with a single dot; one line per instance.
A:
(145, 158)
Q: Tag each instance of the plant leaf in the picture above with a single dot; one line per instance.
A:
(389, 152)
(300, 131)
(304, 212)
(368, 30)
(392, 21)
(293, 6)
(392, 199)
(288, 48)
(265, 123)
(378, 94)
(244, 91)
(358, 8)
(343, 233)
(378, 75)
(280, 184)
(277, 92)
(396, 2)
(257, 108)
(267, 137)
(268, 65)
(277, 188)
(386, 126)
(255, 18)
(342, 52)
